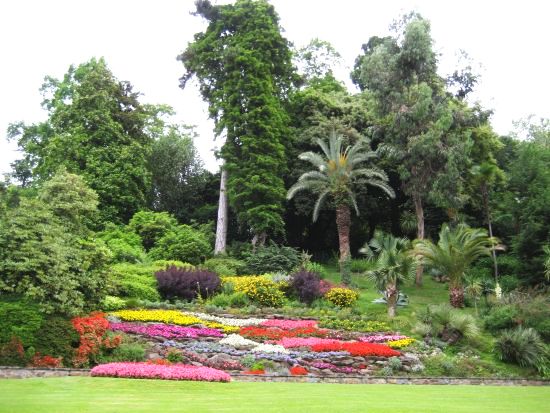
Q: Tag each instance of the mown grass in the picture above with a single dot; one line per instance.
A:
(82, 395)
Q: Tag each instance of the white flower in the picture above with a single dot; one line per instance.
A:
(236, 340)
(498, 291)
(270, 348)
(235, 322)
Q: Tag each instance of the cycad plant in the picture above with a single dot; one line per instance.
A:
(338, 170)
(453, 254)
(393, 264)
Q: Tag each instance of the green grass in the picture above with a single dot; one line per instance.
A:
(82, 394)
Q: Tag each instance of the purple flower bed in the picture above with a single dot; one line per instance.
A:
(332, 367)
(155, 371)
(164, 330)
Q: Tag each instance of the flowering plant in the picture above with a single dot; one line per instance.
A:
(166, 331)
(404, 342)
(236, 340)
(45, 361)
(92, 330)
(234, 322)
(355, 325)
(274, 334)
(289, 324)
(298, 371)
(356, 348)
(305, 342)
(269, 348)
(323, 365)
(156, 371)
(380, 338)
(342, 297)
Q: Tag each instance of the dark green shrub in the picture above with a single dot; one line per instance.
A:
(535, 313)
(502, 317)
(224, 266)
(19, 319)
(174, 356)
(151, 226)
(124, 352)
(57, 338)
(272, 258)
(182, 243)
(124, 244)
(176, 282)
(12, 353)
(522, 346)
(235, 300)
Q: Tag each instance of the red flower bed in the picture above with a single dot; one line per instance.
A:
(274, 334)
(45, 361)
(356, 348)
(254, 372)
(298, 371)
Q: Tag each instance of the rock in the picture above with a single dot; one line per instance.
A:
(154, 356)
(195, 363)
(221, 357)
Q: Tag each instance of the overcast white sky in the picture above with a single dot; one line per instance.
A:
(141, 39)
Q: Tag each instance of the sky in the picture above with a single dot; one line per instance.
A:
(140, 41)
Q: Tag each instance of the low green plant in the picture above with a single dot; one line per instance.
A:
(524, 347)
(272, 258)
(361, 265)
(112, 303)
(124, 352)
(395, 363)
(174, 356)
(224, 266)
(501, 317)
(19, 318)
(448, 324)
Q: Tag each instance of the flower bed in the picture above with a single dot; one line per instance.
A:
(306, 342)
(169, 317)
(156, 371)
(381, 338)
(166, 331)
(289, 324)
(274, 334)
(356, 348)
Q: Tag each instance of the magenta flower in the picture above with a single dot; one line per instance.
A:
(381, 338)
(287, 342)
(165, 330)
(289, 324)
(163, 372)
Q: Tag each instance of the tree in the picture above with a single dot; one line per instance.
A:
(423, 126)
(63, 270)
(453, 254)
(178, 178)
(337, 172)
(243, 65)
(152, 226)
(95, 128)
(393, 265)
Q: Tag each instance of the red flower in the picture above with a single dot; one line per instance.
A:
(275, 334)
(92, 331)
(356, 348)
(298, 371)
(45, 361)
(254, 372)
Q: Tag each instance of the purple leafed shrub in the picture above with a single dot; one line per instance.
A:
(174, 282)
(306, 285)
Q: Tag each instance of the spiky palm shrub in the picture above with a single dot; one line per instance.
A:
(338, 170)
(524, 347)
(393, 265)
(453, 254)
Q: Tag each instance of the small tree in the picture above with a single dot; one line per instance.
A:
(338, 170)
(455, 251)
(393, 265)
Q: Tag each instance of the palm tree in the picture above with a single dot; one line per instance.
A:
(337, 170)
(455, 251)
(393, 264)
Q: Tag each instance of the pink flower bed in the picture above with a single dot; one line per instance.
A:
(380, 338)
(156, 371)
(287, 342)
(166, 331)
(289, 324)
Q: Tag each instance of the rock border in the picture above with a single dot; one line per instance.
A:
(29, 372)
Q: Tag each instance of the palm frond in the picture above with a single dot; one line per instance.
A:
(319, 204)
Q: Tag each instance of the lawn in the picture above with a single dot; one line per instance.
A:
(82, 394)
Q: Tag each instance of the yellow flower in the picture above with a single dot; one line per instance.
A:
(401, 343)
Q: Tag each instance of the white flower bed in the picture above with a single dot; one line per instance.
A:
(235, 322)
(270, 348)
(236, 340)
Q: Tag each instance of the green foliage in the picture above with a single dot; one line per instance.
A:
(182, 243)
(44, 262)
(124, 352)
(95, 128)
(174, 356)
(134, 281)
(224, 266)
(342, 297)
(151, 226)
(272, 258)
(57, 338)
(366, 326)
(501, 317)
(360, 265)
(524, 347)
(447, 323)
(317, 268)
(232, 300)
(112, 303)
(243, 65)
(124, 244)
(20, 319)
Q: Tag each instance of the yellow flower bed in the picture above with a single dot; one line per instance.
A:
(169, 317)
(259, 289)
(342, 297)
(401, 343)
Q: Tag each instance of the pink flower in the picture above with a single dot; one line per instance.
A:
(165, 330)
(289, 324)
(381, 338)
(156, 371)
(305, 342)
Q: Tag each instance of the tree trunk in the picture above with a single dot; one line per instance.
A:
(258, 240)
(221, 226)
(456, 295)
(485, 195)
(419, 209)
(343, 224)
(391, 299)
